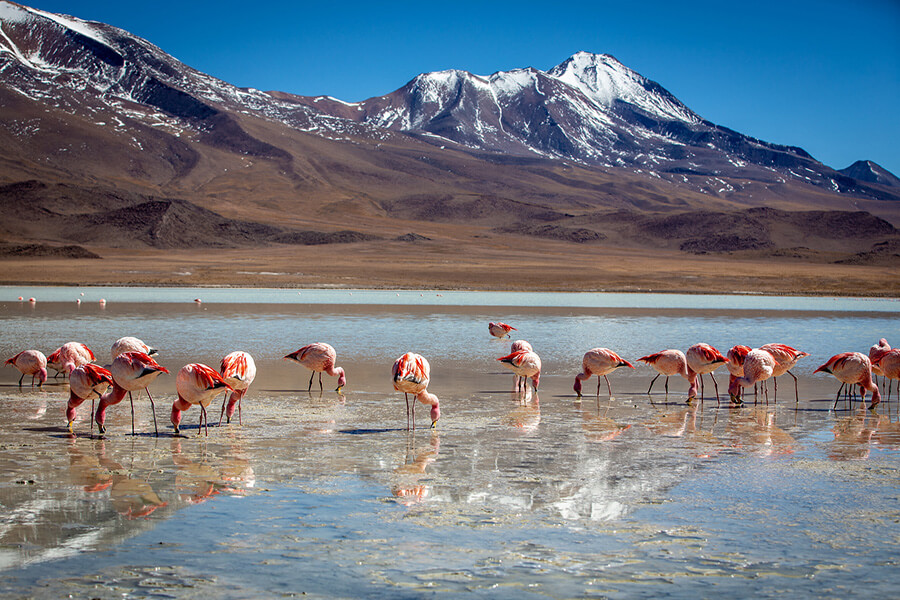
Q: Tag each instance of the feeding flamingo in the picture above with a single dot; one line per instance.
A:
(238, 370)
(599, 362)
(759, 365)
(526, 364)
(130, 344)
(69, 356)
(852, 368)
(196, 384)
(701, 359)
(319, 357)
(131, 371)
(668, 363)
(515, 347)
(875, 353)
(785, 359)
(84, 382)
(30, 362)
(411, 374)
(500, 330)
(889, 364)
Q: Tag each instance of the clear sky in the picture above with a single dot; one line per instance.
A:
(820, 74)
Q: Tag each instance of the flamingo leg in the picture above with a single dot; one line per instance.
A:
(309, 387)
(23, 377)
(667, 386)
(598, 386)
(838, 397)
(224, 401)
(92, 417)
(131, 400)
(701, 388)
(716, 386)
(153, 408)
(796, 389)
(407, 410)
(240, 417)
(205, 419)
(652, 381)
(608, 387)
(321, 388)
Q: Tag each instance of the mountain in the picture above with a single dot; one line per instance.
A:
(109, 142)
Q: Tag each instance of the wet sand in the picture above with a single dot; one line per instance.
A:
(540, 496)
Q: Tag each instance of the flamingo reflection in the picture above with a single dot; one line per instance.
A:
(407, 487)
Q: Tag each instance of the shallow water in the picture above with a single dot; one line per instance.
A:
(328, 495)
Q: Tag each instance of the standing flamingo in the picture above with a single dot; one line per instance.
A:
(526, 364)
(30, 362)
(701, 359)
(515, 347)
(131, 371)
(759, 365)
(69, 356)
(130, 344)
(196, 384)
(411, 374)
(852, 368)
(500, 330)
(785, 359)
(875, 353)
(599, 362)
(319, 357)
(238, 370)
(84, 382)
(668, 363)
(889, 363)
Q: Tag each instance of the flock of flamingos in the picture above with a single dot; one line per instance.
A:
(133, 369)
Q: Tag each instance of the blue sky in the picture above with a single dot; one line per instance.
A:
(823, 75)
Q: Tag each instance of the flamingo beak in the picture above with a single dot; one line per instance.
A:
(338, 389)
(735, 400)
(434, 425)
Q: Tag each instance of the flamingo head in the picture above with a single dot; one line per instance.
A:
(342, 378)
(536, 380)
(435, 415)
(577, 386)
(42, 376)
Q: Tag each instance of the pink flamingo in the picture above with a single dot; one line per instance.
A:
(668, 363)
(875, 353)
(701, 359)
(411, 374)
(69, 356)
(130, 344)
(84, 382)
(196, 384)
(500, 330)
(131, 371)
(735, 365)
(785, 359)
(759, 365)
(526, 364)
(30, 362)
(599, 362)
(319, 357)
(516, 346)
(852, 368)
(238, 370)
(889, 365)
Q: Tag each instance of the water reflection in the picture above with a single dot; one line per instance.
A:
(407, 484)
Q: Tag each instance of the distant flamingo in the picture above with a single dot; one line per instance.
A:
(889, 364)
(238, 370)
(85, 382)
(30, 362)
(71, 355)
(131, 371)
(411, 374)
(701, 359)
(599, 362)
(500, 330)
(130, 344)
(319, 357)
(875, 353)
(852, 368)
(526, 364)
(668, 363)
(196, 384)
(516, 346)
(759, 365)
(785, 359)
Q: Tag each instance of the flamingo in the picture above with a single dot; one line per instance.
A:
(703, 358)
(735, 365)
(785, 359)
(69, 356)
(130, 344)
(759, 365)
(411, 374)
(889, 364)
(84, 382)
(668, 363)
(196, 384)
(515, 347)
(526, 364)
(30, 362)
(852, 368)
(319, 357)
(131, 371)
(875, 353)
(500, 330)
(599, 362)
(238, 370)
